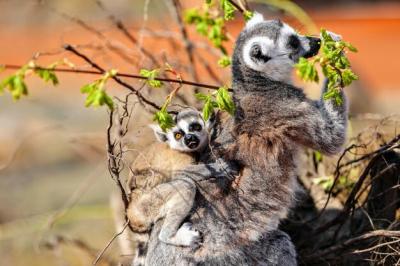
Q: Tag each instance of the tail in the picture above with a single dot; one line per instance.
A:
(141, 240)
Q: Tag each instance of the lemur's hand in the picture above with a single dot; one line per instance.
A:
(335, 37)
(227, 168)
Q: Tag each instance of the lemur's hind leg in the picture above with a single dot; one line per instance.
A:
(175, 210)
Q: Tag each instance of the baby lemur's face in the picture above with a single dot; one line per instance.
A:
(190, 134)
(273, 47)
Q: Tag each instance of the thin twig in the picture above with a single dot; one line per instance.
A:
(350, 242)
(238, 7)
(186, 42)
(120, 26)
(109, 243)
(122, 75)
(115, 78)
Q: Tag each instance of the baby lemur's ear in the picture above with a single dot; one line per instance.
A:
(159, 133)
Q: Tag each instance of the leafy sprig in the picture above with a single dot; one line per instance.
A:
(96, 93)
(16, 84)
(334, 64)
(164, 119)
(220, 99)
(210, 22)
(151, 75)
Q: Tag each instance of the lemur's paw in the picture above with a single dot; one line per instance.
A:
(335, 37)
(229, 168)
(187, 236)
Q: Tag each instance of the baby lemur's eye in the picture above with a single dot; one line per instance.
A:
(294, 42)
(178, 135)
(195, 127)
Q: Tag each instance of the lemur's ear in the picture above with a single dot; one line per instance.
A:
(159, 133)
(257, 18)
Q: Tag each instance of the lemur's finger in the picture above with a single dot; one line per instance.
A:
(335, 37)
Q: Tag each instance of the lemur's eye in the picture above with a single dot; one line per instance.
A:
(294, 42)
(195, 127)
(178, 135)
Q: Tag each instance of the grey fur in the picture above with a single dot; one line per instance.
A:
(273, 122)
(172, 201)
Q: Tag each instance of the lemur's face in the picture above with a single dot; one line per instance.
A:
(273, 47)
(190, 134)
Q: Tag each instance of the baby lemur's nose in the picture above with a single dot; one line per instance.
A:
(315, 44)
(191, 140)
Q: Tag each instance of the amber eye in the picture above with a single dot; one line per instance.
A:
(178, 135)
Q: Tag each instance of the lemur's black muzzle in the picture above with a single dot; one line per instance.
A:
(192, 141)
(315, 44)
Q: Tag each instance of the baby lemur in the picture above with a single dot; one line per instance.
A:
(170, 194)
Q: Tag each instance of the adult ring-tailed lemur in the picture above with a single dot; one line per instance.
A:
(273, 121)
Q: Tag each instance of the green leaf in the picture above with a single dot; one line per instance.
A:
(47, 75)
(306, 70)
(151, 75)
(334, 63)
(201, 96)
(224, 100)
(247, 15)
(224, 61)
(192, 16)
(350, 47)
(96, 94)
(202, 28)
(348, 77)
(334, 94)
(209, 104)
(164, 119)
(228, 8)
(208, 109)
(326, 182)
(18, 87)
(318, 156)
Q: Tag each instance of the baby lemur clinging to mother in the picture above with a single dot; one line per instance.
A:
(170, 196)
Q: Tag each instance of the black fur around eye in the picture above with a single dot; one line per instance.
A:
(294, 42)
(257, 54)
(195, 127)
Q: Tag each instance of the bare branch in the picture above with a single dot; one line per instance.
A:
(351, 242)
(101, 254)
(122, 75)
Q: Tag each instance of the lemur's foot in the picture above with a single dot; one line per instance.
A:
(187, 236)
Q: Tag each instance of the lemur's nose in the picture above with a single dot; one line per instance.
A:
(191, 140)
(315, 44)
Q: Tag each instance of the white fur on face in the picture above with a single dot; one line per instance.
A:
(279, 67)
(183, 125)
(257, 18)
(286, 31)
(267, 46)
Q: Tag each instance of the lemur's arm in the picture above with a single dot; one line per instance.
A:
(199, 172)
(321, 124)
